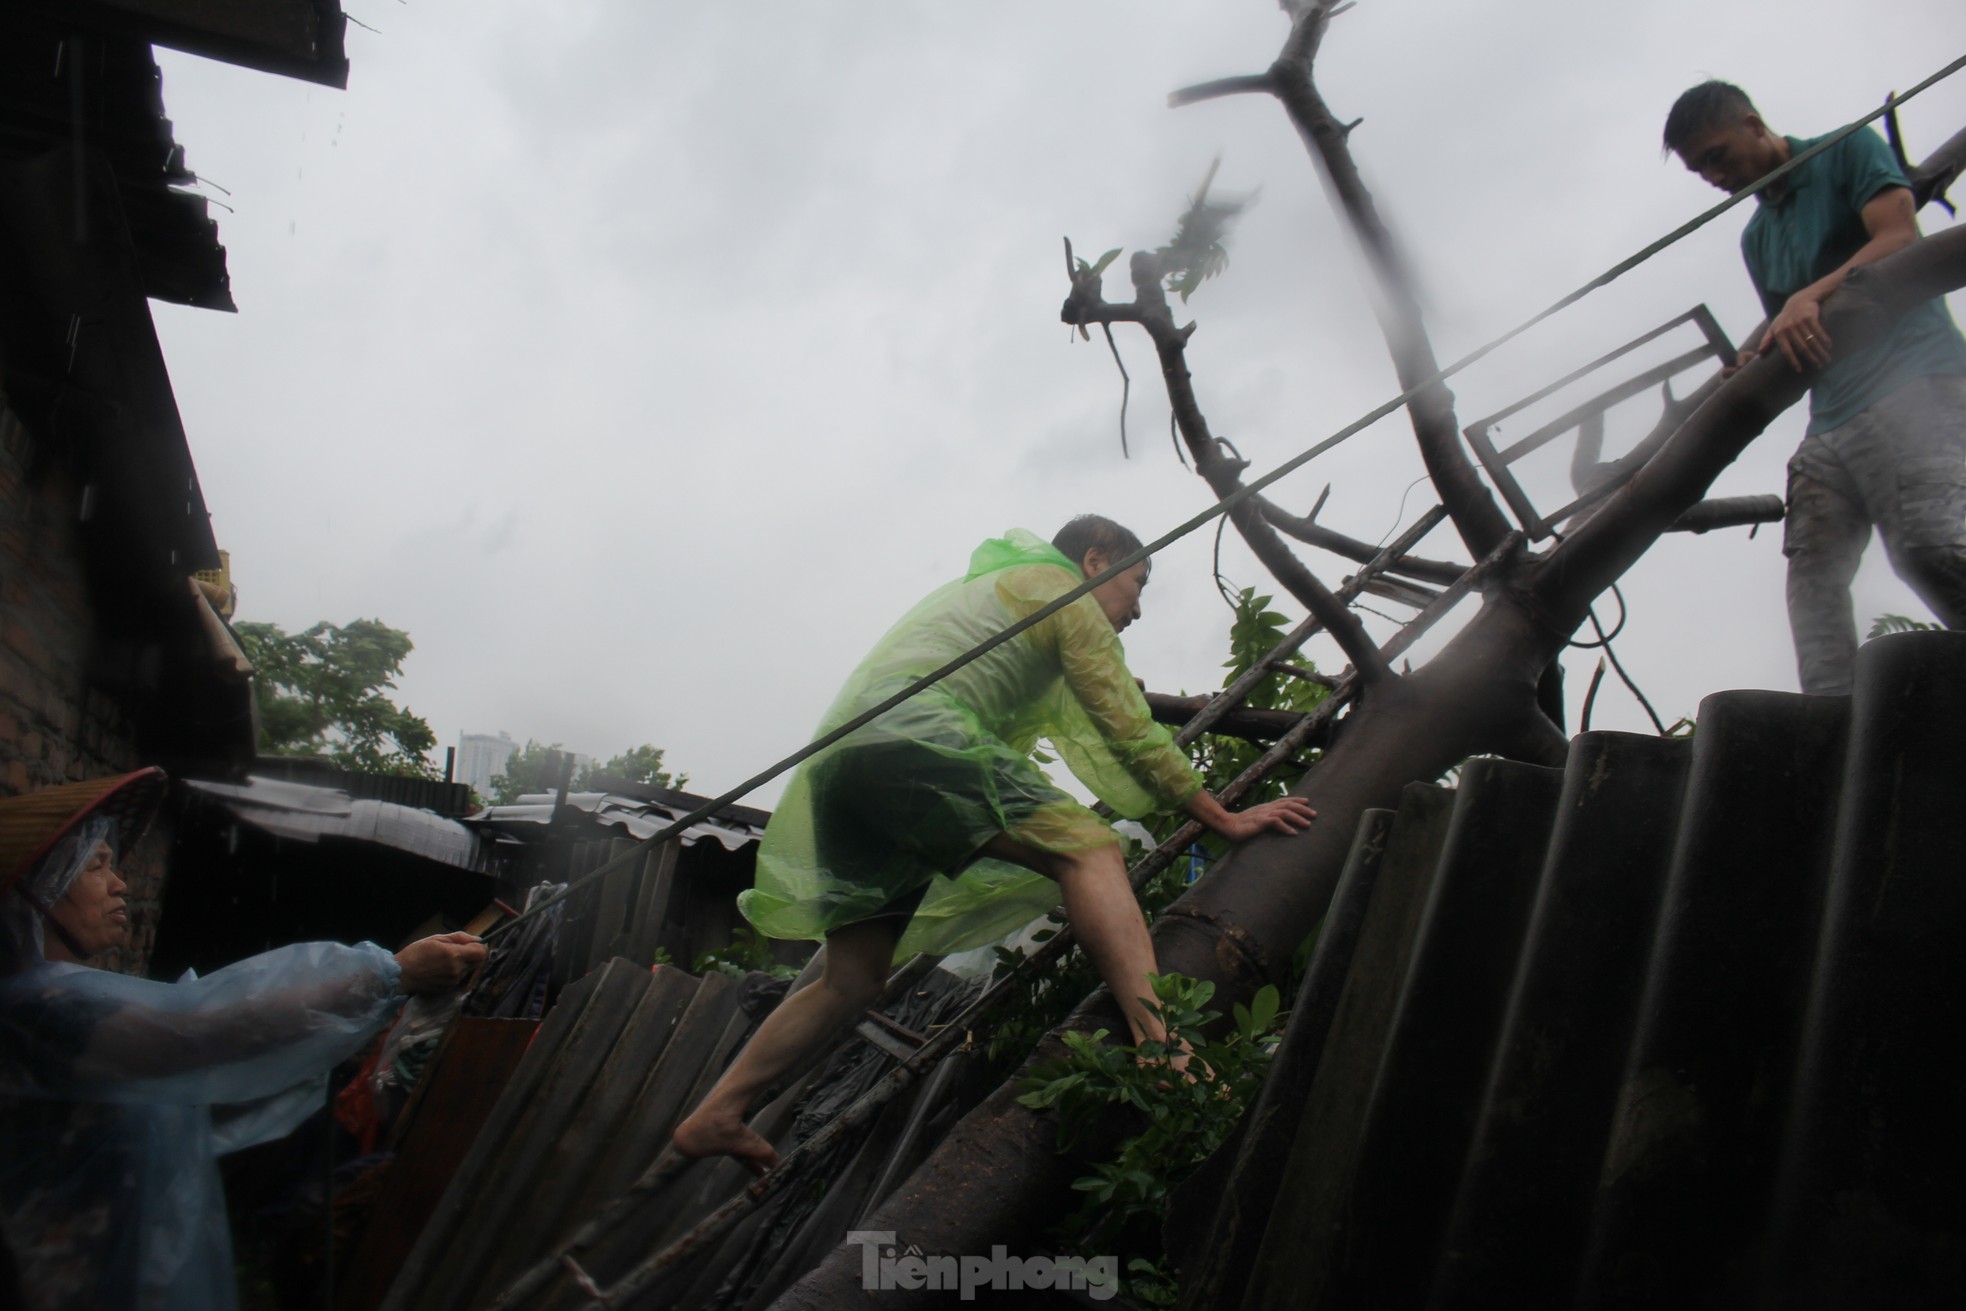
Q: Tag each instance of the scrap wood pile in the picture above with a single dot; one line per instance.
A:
(584, 1117)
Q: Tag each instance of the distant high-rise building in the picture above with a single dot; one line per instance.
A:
(480, 757)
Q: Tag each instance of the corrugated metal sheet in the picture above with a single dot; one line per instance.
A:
(308, 814)
(637, 817)
(1671, 1027)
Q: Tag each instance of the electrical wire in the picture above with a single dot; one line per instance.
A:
(1230, 597)
(1619, 668)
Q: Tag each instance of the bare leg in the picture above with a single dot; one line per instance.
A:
(857, 959)
(1100, 906)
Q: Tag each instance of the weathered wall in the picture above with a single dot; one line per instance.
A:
(55, 727)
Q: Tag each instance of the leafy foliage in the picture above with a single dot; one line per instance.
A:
(1254, 632)
(1199, 250)
(1186, 1118)
(1098, 267)
(1043, 998)
(534, 768)
(748, 950)
(642, 764)
(1888, 623)
(324, 693)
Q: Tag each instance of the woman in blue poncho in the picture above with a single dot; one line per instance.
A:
(930, 829)
(117, 1094)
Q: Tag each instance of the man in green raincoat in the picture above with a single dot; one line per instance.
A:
(930, 829)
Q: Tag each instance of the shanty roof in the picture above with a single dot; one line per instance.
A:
(308, 814)
(1671, 1026)
(638, 816)
(43, 66)
(297, 38)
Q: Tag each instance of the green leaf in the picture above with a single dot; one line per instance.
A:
(1890, 623)
(1263, 1007)
(1100, 265)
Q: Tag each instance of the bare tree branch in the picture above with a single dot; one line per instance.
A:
(1243, 722)
(1253, 84)
(1224, 473)
(1931, 178)
(1729, 512)
(1476, 516)
(1308, 531)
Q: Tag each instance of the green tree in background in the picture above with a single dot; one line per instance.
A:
(642, 764)
(324, 693)
(534, 768)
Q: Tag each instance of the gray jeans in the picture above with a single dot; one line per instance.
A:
(1900, 465)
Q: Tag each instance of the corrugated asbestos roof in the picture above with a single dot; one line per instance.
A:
(637, 817)
(1674, 1026)
(308, 814)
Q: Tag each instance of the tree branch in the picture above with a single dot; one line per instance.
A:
(1730, 512)
(1931, 178)
(1243, 722)
(1224, 476)
(1476, 516)
(1312, 533)
(1252, 84)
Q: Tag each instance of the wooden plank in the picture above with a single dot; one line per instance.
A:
(686, 1197)
(592, 1132)
(455, 1098)
(614, 900)
(659, 1103)
(511, 1105)
(503, 1191)
(661, 917)
(576, 935)
(658, 875)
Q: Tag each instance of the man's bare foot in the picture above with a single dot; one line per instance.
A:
(709, 1134)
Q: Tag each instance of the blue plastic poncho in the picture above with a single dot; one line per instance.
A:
(118, 1094)
(900, 807)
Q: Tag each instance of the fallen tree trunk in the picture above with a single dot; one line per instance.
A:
(997, 1178)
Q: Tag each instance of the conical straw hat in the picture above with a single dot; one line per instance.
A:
(31, 824)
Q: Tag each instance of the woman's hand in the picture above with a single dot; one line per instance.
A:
(439, 963)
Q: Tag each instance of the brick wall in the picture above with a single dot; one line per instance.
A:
(55, 727)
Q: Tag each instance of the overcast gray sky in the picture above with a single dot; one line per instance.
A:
(645, 361)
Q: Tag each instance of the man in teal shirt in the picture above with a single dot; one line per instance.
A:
(1886, 443)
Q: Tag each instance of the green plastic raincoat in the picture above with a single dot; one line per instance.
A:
(898, 810)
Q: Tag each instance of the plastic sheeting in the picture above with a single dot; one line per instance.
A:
(117, 1095)
(898, 805)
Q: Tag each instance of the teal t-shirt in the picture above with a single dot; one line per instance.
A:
(1814, 227)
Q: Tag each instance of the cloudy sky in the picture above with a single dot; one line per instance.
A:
(645, 361)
